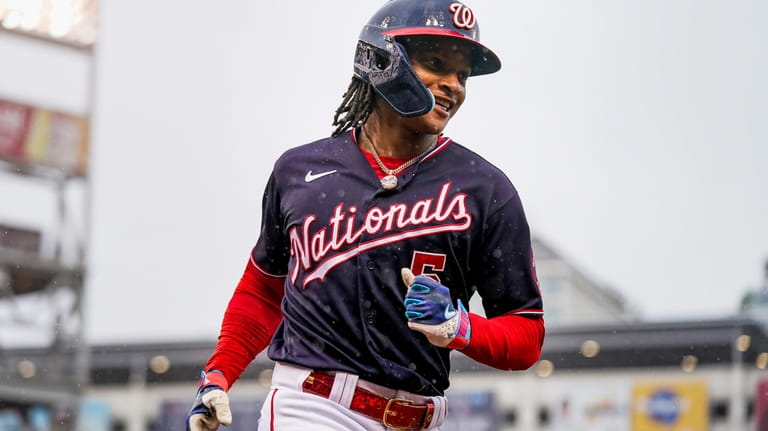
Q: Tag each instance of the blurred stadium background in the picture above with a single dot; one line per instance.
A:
(603, 366)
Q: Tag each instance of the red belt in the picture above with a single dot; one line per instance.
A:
(394, 413)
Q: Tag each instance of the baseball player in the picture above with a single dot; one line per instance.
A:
(373, 241)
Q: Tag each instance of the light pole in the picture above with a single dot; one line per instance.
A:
(739, 345)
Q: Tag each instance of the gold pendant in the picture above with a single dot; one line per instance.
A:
(389, 182)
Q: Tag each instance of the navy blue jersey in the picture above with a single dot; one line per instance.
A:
(340, 240)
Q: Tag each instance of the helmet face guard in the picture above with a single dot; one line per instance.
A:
(382, 61)
(385, 66)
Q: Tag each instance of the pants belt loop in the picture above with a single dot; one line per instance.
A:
(441, 411)
(343, 390)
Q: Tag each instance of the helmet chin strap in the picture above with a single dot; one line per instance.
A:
(393, 79)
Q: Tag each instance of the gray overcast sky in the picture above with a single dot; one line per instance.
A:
(635, 132)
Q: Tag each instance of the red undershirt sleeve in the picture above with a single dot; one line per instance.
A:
(250, 321)
(507, 342)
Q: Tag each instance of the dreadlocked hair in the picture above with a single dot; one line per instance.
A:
(356, 106)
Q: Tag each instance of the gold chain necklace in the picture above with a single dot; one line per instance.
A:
(389, 181)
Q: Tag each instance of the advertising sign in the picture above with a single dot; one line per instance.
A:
(602, 407)
(37, 136)
(670, 406)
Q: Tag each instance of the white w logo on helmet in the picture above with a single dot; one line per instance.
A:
(463, 17)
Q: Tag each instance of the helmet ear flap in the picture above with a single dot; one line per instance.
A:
(387, 69)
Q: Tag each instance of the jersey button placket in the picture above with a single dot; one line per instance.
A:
(370, 318)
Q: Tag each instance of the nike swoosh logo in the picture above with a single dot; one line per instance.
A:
(311, 177)
(448, 313)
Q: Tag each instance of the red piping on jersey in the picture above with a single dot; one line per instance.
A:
(440, 147)
(529, 312)
(264, 271)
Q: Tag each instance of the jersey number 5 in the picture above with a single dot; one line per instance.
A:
(427, 264)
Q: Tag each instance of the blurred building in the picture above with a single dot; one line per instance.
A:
(571, 297)
(754, 304)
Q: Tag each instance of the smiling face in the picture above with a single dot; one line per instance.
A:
(443, 64)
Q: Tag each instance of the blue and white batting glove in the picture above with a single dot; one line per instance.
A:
(211, 406)
(430, 311)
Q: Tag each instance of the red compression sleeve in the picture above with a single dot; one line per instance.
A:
(249, 323)
(508, 342)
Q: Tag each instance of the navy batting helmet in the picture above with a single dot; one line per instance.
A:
(381, 60)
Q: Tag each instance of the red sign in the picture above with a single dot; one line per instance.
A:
(761, 405)
(14, 123)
